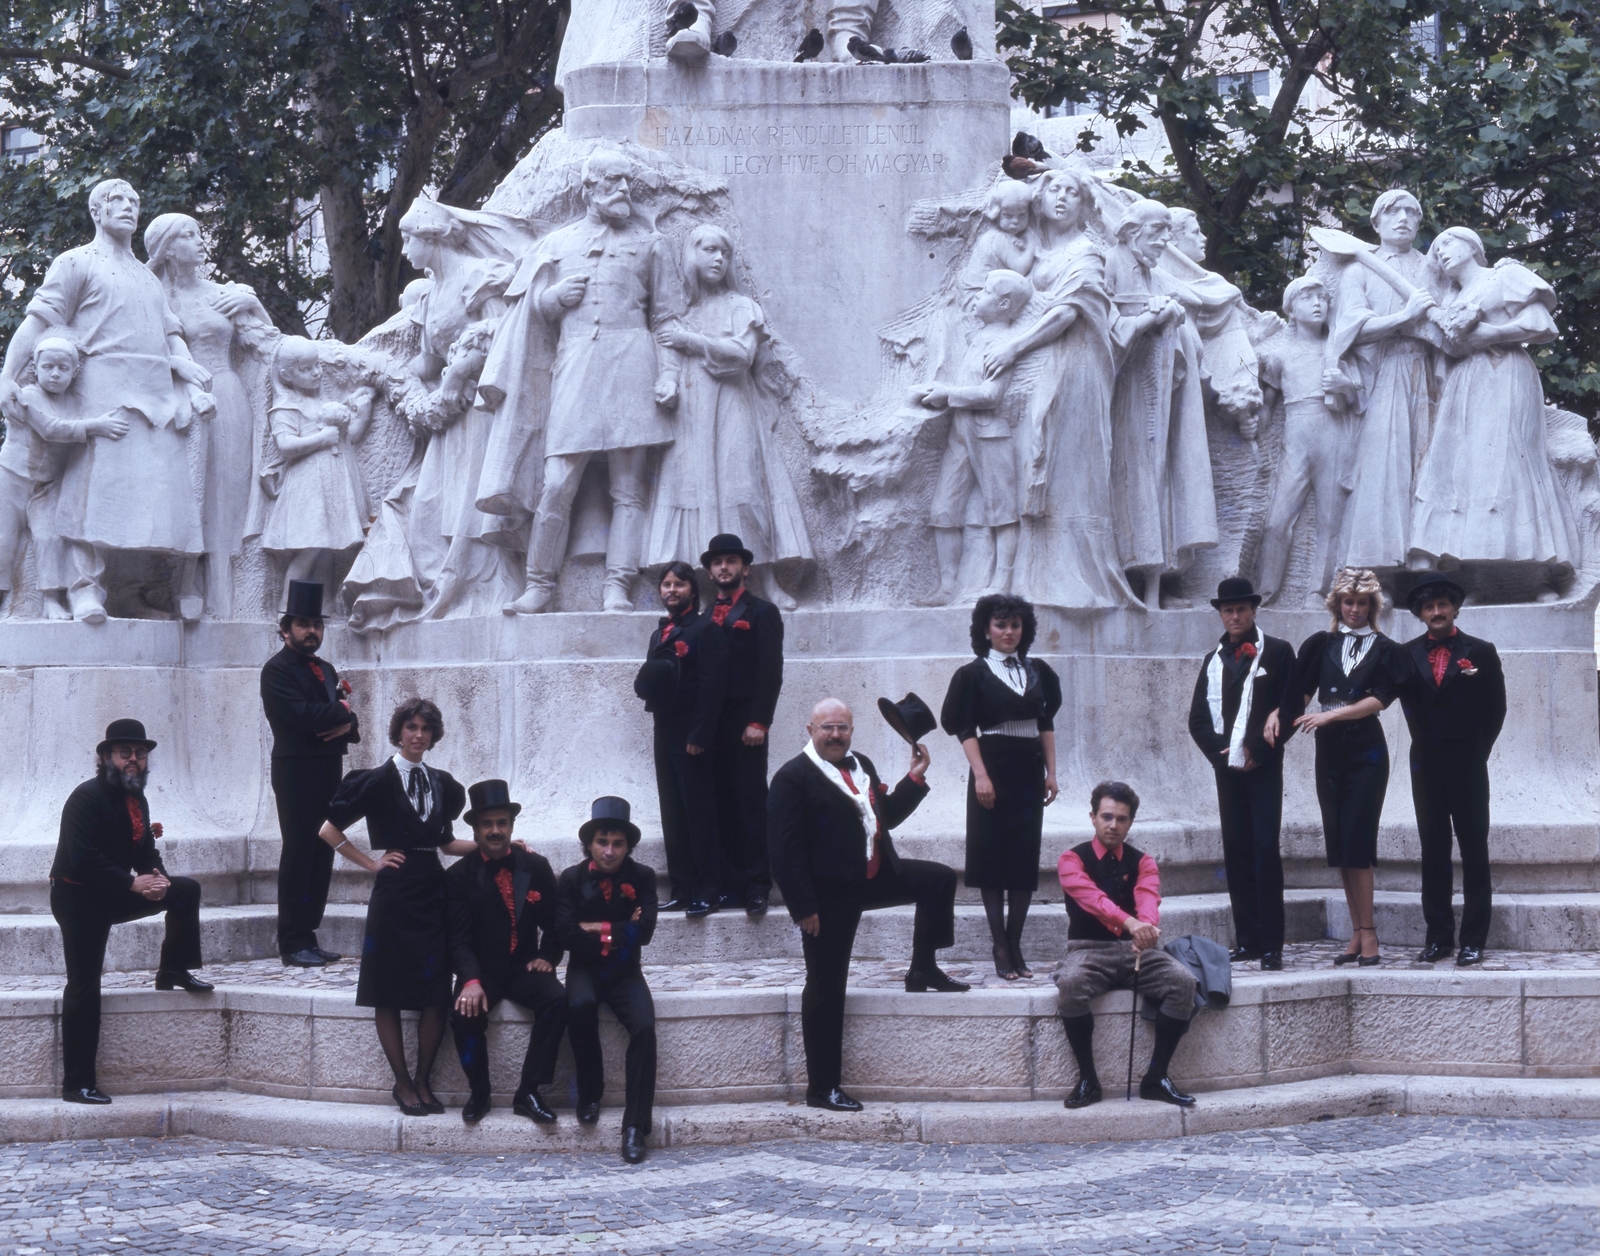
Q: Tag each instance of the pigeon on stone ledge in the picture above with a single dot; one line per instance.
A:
(867, 53)
(725, 44)
(1025, 145)
(810, 46)
(681, 18)
(1019, 167)
(961, 45)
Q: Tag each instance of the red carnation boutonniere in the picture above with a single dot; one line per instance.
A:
(883, 790)
(1467, 667)
(155, 829)
(1247, 650)
(680, 648)
(605, 889)
(741, 625)
(628, 892)
(533, 896)
(344, 688)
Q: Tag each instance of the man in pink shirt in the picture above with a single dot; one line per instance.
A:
(1114, 907)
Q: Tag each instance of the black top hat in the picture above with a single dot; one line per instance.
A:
(124, 732)
(609, 813)
(1236, 589)
(726, 543)
(1433, 583)
(489, 796)
(305, 599)
(910, 717)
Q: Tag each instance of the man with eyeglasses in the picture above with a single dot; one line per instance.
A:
(107, 871)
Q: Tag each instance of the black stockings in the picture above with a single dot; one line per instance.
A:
(430, 1033)
(1007, 933)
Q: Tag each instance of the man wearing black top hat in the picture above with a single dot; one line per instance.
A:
(828, 821)
(107, 871)
(754, 630)
(308, 707)
(606, 916)
(1454, 697)
(1242, 682)
(502, 905)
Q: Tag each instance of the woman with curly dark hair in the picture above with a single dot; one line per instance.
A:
(1002, 708)
(405, 958)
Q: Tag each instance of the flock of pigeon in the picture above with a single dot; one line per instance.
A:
(684, 15)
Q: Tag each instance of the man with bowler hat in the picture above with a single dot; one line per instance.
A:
(754, 629)
(308, 707)
(1233, 719)
(502, 906)
(606, 916)
(1454, 698)
(107, 871)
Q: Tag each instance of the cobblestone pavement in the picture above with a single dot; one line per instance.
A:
(1385, 1185)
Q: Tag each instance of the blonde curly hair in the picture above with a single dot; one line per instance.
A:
(1354, 580)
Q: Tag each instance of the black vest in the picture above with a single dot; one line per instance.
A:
(1117, 886)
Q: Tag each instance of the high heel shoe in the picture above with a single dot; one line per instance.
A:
(410, 1109)
(1352, 957)
(1002, 962)
(1020, 964)
(431, 1106)
(1370, 961)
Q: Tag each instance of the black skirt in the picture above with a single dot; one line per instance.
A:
(405, 957)
(1352, 777)
(1003, 844)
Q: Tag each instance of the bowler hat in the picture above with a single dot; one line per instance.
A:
(126, 733)
(1236, 589)
(490, 796)
(910, 717)
(305, 599)
(1431, 584)
(726, 543)
(657, 683)
(609, 812)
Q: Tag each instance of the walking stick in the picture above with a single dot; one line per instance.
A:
(1133, 1022)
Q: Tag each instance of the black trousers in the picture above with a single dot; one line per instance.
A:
(687, 785)
(1251, 807)
(627, 994)
(544, 996)
(1450, 788)
(740, 772)
(931, 886)
(86, 916)
(303, 789)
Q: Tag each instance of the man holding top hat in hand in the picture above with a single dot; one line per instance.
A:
(828, 823)
(308, 707)
(502, 904)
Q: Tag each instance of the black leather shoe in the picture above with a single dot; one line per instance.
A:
(1272, 962)
(589, 1113)
(1087, 1091)
(86, 1094)
(1434, 952)
(304, 959)
(730, 902)
(527, 1103)
(432, 1106)
(700, 907)
(920, 982)
(182, 979)
(1165, 1092)
(673, 904)
(410, 1109)
(1241, 955)
(755, 904)
(834, 1101)
(1467, 956)
(477, 1107)
(328, 957)
(633, 1144)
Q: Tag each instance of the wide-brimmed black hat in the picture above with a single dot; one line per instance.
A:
(609, 812)
(489, 796)
(910, 717)
(305, 599)
(125, 733)
(657, 683)
(726, 543)
(1236, 589)
(1432, 583)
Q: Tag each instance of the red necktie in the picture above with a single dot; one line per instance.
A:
(316, 670)
(877, 859)
(667, 632)
(502, 881)
(1439, 657)
(136, 817)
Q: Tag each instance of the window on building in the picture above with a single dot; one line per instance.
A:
(1255, 83)
(19, 144)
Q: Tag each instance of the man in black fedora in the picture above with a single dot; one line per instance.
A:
(1454, 698)
(754, 629)
(308, 708)
(107, 871)
(606, 916)
(1242, 682)
(503, 944)
(828, 820)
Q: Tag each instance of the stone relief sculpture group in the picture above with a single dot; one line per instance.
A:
(605, 386)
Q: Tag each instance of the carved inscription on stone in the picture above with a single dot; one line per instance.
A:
(834, 145)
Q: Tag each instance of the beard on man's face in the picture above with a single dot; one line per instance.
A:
(130, 779)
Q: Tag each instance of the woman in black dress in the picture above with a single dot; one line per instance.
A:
(405, 958)
(1351, 670)
(1002, 708)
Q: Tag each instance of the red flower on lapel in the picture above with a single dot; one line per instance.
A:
(533, 896)
(680, 648)
(155, 829)
(1246, 651)
(344, 688)
(628, 892)
(1468, 668)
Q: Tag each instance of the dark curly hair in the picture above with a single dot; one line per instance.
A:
(416, 706)
(1002, 606)
(684, 572)
(1117, 791)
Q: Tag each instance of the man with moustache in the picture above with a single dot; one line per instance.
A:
(107, 871)
(308, 709)
(754, 631)
(828, 821)
(1454, 697)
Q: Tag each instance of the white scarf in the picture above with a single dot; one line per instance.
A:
(1015, 678)
(1357, 641)
(858, 797)
(1241, 721)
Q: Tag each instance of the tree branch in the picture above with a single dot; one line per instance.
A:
(11, 52)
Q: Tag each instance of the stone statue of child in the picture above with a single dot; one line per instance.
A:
(1316, 397)
(1007, 243)
(979, 482)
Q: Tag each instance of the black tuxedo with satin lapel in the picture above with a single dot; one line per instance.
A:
(754, 632)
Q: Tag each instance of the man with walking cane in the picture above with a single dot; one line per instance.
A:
(1113, 897)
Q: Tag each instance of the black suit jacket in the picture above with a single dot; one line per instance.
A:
(698, 649)
(581, 894)
(1465, 712)
(299, 706)
(754, 630)
(814, 833)
(96, 847)
(1276, 682)
(480, 925)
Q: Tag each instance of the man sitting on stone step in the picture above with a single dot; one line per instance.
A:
(1114, 907)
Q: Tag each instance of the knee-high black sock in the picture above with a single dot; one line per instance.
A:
(1169, 1029)
(1080, 1037)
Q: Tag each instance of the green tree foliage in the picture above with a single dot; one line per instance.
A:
(245, 112)
(1488, 109)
